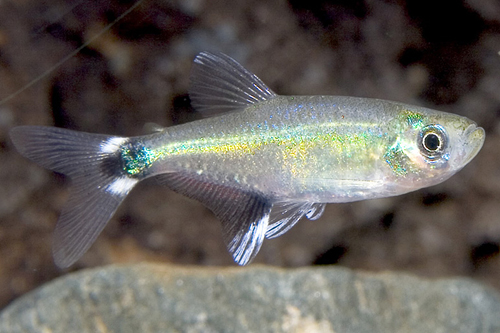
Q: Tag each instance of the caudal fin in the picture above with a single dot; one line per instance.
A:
(99, 185)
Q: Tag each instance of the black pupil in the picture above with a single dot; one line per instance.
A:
(432, 142)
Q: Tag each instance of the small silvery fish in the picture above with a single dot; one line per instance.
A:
(261, 162)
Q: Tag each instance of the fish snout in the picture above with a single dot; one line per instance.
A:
(472, 142)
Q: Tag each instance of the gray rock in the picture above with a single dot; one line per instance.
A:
(161, 298)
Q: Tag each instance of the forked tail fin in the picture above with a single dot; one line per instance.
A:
(93, 162)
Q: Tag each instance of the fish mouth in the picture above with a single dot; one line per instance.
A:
(473, 141)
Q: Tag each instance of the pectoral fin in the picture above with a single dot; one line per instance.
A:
(244, 215)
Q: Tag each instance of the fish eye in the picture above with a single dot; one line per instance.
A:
(433, 140)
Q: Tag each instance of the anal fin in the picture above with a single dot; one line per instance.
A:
(244, 214)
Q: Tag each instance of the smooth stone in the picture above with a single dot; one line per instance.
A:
(164, 298)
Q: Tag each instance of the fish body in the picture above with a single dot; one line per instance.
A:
(259, 161)
(314, 148)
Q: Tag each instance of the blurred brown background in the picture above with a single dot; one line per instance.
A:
(444, 55)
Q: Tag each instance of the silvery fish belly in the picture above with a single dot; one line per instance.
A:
(258, 160)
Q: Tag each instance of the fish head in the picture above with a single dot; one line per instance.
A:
(431, 147)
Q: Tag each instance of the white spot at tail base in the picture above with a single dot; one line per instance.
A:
(112, 144)
(121, 186)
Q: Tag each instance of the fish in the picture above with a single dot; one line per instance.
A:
(258, 160)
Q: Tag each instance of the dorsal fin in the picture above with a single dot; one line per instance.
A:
(219, 84)
(244, 215)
